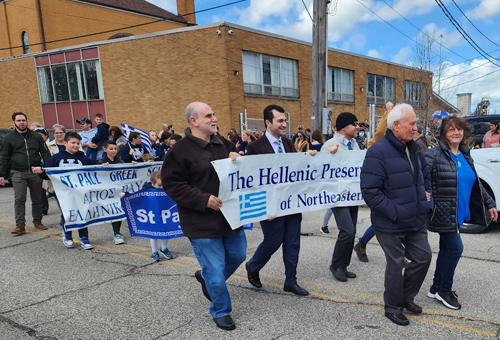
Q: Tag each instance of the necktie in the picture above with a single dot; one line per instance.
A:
(280, 150)
(349, 145)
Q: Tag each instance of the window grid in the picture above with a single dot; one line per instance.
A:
(380, 89)
(340, 85)
(269, 75)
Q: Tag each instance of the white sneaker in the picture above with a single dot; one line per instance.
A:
(67, 240)
(118, 239)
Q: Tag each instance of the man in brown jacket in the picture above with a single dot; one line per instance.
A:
(189, 178)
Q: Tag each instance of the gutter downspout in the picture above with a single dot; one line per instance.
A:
(7, 27)
(41, 25)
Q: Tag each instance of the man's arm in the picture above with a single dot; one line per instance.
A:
(174, 179)
(373, 176)
(5, 153)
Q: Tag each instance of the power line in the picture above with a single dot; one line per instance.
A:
(428, 36)
(464, 34)
(124, 28)
(474, 25)
(470, 81)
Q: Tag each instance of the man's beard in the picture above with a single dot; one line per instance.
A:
(19, 129)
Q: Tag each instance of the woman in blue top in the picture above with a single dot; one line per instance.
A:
(458, 196)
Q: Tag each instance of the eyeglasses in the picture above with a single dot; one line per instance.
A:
(355, 124)
(59, 133)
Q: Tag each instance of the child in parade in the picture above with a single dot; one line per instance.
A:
(163, 251)
(71, 157)
(110, 157)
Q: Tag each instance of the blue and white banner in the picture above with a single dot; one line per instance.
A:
(258, 187)
(127, 129)
(88, 195)
(152, 214)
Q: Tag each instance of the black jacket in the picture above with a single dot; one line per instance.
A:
(20, 152)
(443, 171)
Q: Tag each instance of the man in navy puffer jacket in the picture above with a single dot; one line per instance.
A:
(395, 183)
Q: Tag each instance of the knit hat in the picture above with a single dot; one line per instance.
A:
(344, 119)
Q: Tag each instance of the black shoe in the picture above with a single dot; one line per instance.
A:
(296, 289)
(349, 275)
(361, 252)
(413, 307)
(253, 277)
(325, 230)
(338, 274)
(225, 322)
(201, 280)
(449, 299)
(398, 319)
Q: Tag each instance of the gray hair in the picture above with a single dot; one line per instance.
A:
(58, 126)
(397, 114)
(192, 111)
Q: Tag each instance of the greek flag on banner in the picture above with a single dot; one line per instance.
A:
(127, 129)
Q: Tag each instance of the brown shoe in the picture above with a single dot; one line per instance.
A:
(40, 226)
(18, 230)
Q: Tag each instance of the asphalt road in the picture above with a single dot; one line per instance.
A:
(117, 292)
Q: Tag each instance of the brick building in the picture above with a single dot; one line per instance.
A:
(30, 26)
(146, 80)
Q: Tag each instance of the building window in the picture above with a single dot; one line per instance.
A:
(380, 89)
(26, 45)
(340, 85)
(416, 94)
(70, 82)
(269, 75)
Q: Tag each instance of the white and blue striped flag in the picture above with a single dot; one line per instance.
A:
(127, 129)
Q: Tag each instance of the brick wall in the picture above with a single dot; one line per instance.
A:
(63, 19)
(149, 81)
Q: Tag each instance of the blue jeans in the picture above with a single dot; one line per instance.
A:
(450, 251)
(219, 258)
(367, 236)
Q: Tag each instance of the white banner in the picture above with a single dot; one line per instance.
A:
(258, 187)
(88, 195)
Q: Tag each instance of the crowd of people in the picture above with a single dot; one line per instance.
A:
(409, 188)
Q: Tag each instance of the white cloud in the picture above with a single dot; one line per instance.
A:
(402, 56)
(487, 8)
(374, 54)
(168, 5)
(403, 7)
(448, 39)
(481, 79)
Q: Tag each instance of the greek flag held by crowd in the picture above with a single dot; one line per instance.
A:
(127, 129)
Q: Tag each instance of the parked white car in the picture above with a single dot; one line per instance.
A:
(487, 163)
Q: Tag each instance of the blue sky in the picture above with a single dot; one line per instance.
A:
(388, 29)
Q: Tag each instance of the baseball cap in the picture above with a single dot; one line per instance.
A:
(42, 130)
(82, 121)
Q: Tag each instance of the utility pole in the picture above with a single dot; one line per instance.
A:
(319, 67)
(440, 70)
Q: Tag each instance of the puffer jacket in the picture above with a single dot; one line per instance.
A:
(395, 194)
(443, 171)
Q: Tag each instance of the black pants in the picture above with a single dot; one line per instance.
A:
(403, 287)
(346, 218)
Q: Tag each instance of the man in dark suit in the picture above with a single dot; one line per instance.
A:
(284, 230)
